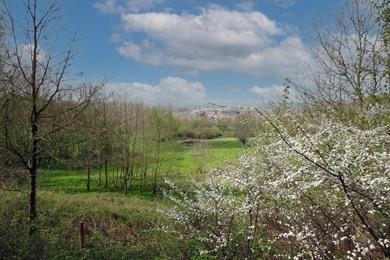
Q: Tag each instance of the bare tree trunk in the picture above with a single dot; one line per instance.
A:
(126, 180)
(140, 183)
(145, 175)
(113, 178)
(157, 165)
(155, 183)
(34, 166)
(122, 176)
(106, 173)
(156, 174)
(131, 172)
(116, 177)
(33, 199)
(34, 133)
(99, 170)
(89, 177)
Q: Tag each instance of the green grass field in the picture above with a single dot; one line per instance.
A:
(182, 162)
(212, 153)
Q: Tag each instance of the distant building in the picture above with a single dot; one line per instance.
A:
(212, 111)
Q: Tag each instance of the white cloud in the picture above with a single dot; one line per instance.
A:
(284, 3)
(269, 93)
(26, 52)
(133, 6)
(273, 93)
(139, 5)
(270, 90)
(107, 7)
(170, 90)
(215, 39)
(248, 5)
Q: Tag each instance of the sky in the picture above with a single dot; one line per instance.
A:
(191, 52)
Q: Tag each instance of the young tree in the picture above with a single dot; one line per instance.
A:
(245, 127)
(87, 133)
(39, 101)
(350, 62)
(162, 130)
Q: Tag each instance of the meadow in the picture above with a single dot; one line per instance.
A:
(185, 162)
(117, 226)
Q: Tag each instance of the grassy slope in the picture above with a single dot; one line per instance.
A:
(117, 227)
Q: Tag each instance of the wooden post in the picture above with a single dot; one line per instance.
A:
(82, 235)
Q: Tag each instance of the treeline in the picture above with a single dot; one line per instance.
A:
(129, 140)
(243, 126)
(128, 144)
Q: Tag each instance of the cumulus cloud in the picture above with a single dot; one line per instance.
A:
(170, 90)
(114, 6)
(215, 39)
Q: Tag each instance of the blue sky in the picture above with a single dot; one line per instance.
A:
(192, 52)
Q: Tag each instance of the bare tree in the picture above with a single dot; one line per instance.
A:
(39, 100)
(350, 60)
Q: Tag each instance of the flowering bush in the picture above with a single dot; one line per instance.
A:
(223, 214)
(337, 177)
(307, 190)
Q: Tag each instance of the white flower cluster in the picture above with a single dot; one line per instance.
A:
(320, 192)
